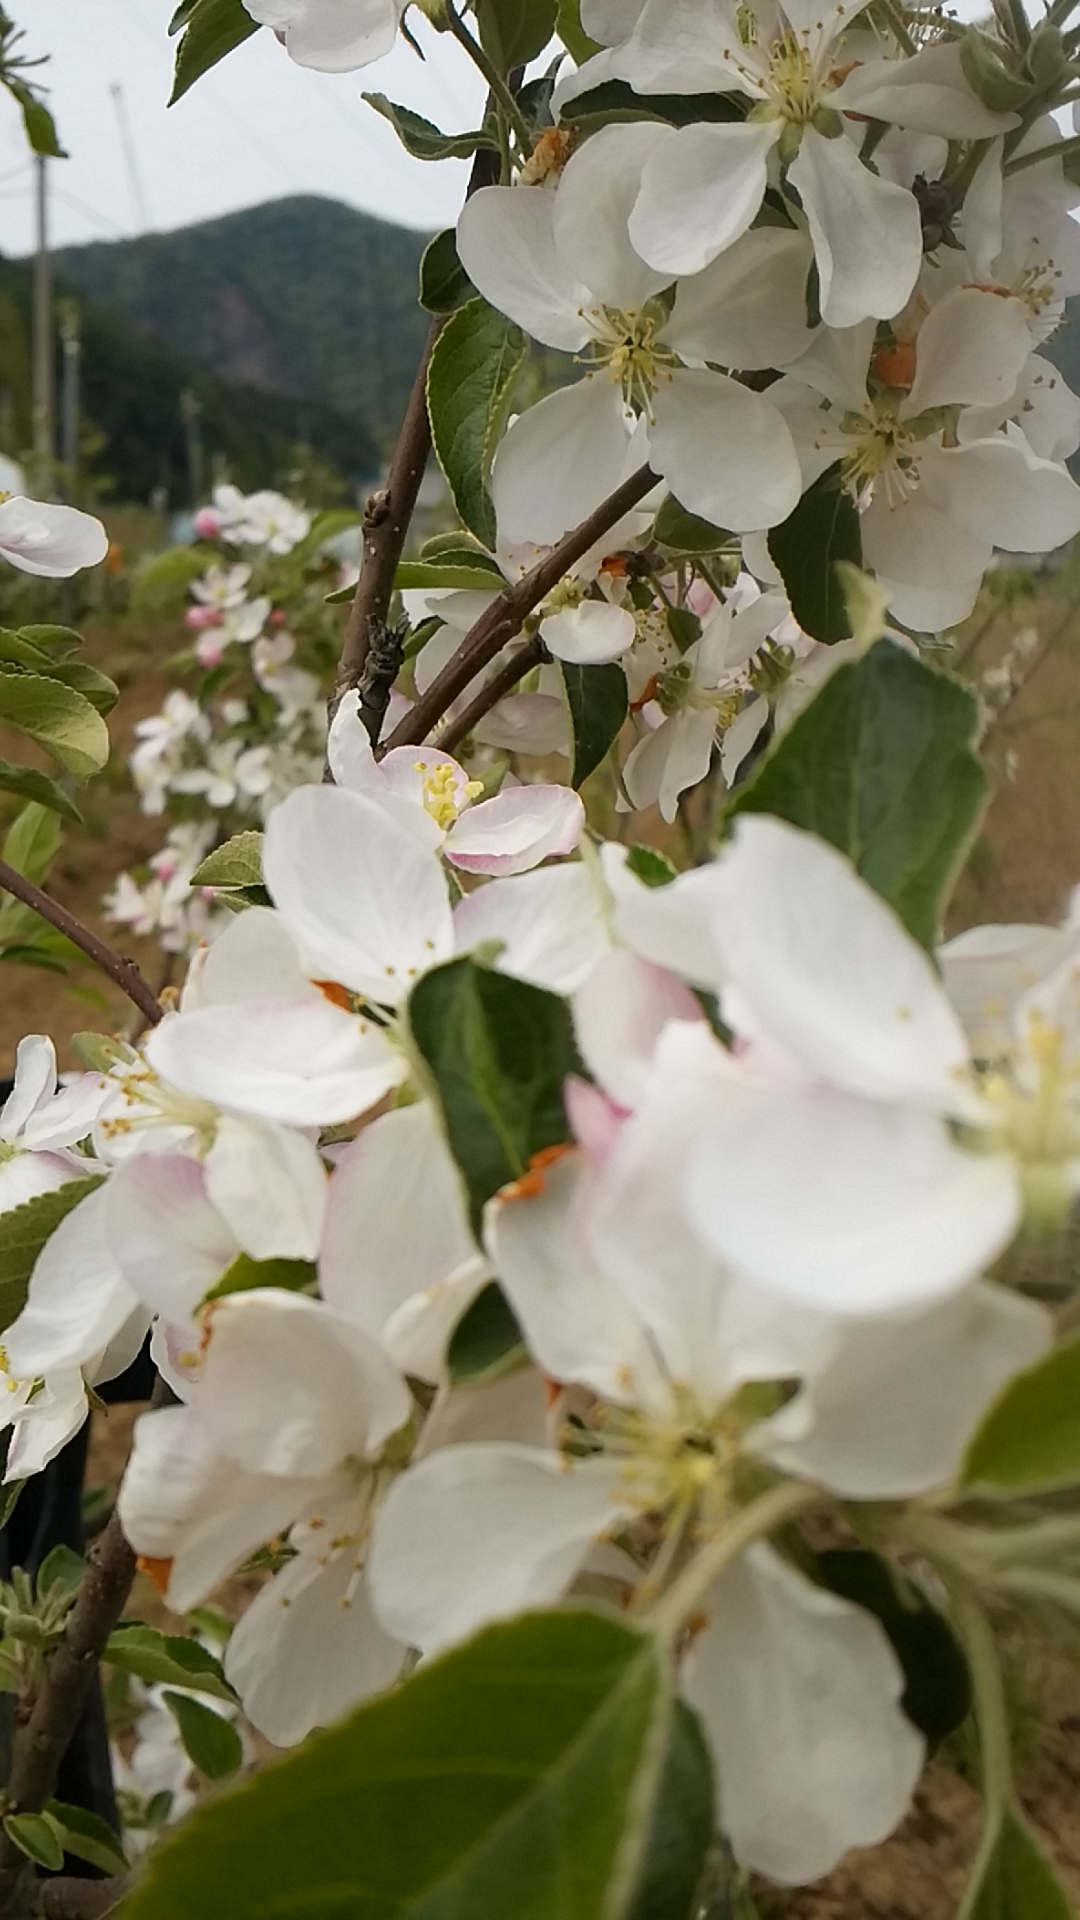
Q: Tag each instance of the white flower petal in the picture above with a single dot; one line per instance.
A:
(52, 541)
(269, 1184)
(78, 1296)
(482, 1532)
(725, 452)
(303, 1063)
(800, 1693)
(867, 233)
(418, 1334)
(674, 926)
(664, 763)
(34, 1084)
(592, 205)
(970, 351)
(46, 1424)
(589, 634)
(170, 1241)
(928, 93)
(986, 971)
(1000, 489)
(506, 242)
(620, 1013)
(748, 309)
(253, 958)
(700, 190)
(516, 830)
(560, 459)
(550, 924)
(930, 565)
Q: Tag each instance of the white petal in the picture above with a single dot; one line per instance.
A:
(550, 924)
(1000, 489)
(270, 1186)
(482, 1532)
(930, 565)
(970, 351)
(69, 1115)
(53, 542)
(847, 1205)
(748, 309)
(800, 1693)
(666, 762)
(35, 1083)
(987, 969)
(506, 243)
(418, 1334)
(333, 39)
(309, 1647)
(304, 1063)
(928, 93)
(290, 1386)
(592, 205)
(170, 1242)
(867, 232)
(725, 452)
(889, 1415)
(348, 748)
(27, 1174)
(516, 830)
(253, 958)
(559, 460)
(534, 723)
(78, 1297)
(674, 926)
(396, 1221)
(700, 190)
(829, 971)
(589, 634)
(619, 1015)
(740, 737)
(48, 1422)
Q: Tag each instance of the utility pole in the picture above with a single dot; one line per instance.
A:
(44, 340)
(191, 415)
(71, 349)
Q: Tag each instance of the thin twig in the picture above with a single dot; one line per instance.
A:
(508, 614)
(532, 654)
(124, 972)
(42, 1743)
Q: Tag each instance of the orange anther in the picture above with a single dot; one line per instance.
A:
(896, 365)
(648, 693)
(614, 565)
(333, 991)
(532, 1184)
(158, 1571)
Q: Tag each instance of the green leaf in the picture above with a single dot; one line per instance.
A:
(498, 1052)
(211, 1742)
(167, 1658)
(32, 841)
(654, 868)
(616, 100)
(474, 367)
(459, 567)
(244, 1273)
(572, 34)
(937, 1696)
(486, 1342)
(56, 642)
(36, 1836)
(213, 29)
(509, 1780)
(444, 283)
(683, 1822)
(87, 1837)
(823, 529)
(101, 692)
(513, 32)
(24, 1231)
(59, 717)
(682, 532)
(881, 764)
(37, 120)
(1029, 1442)
(599, 703)
(236, 864)
(62, 1571)
(422, 138)
(28, 785)
(9, 1499)
(1018, 1883)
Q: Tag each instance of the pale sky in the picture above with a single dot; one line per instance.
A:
(254, 129)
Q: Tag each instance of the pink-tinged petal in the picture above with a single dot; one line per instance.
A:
(170, 1241)
(594, 1119)
(619, 1015)
(303, 1063)
(51, 541)
(848, 1205)
(516, 830)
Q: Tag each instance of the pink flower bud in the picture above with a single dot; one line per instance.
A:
(207, 523)
(209, 651)
(199, 618)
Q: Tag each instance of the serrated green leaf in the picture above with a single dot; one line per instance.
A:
(937, 1692)
(1029, 1441)
(32, 841)
(244, 1273)
(37, 1837)
(457, 568)
(167, 1659)
(881, 764)
(236, 864)
(24, 1231)
(95, 686)
(1018, 1882)
(423, 139)
(498, 1051)
(823, 529)
(683, 1823)
(682, 532)
(212, 30)
(26, 784)
(487, 1341)
(572, 34)
(59, 717)
(513, 32)
(57, 642)
(501, 1781)
(444, 283)
(211, 1742)
(599, 703)
(471, 379)
(87, 1837)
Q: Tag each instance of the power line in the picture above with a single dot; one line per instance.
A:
(131, 159)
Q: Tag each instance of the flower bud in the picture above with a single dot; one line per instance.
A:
(987, 74)
(1046, 59)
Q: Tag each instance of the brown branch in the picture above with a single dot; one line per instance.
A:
(70, 1899)
(508, 614)
(124, 972)
(42, 1743)
(532, 654)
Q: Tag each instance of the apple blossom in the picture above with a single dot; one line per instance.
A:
(51, 541)
(333, 36)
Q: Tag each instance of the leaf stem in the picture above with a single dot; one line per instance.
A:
(508, 614)
(992, 1718)
(499, 89)
(125, 973)
(751, 1523)
(1062, 150)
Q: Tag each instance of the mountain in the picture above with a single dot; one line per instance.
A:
(135, 440)
(301, 297)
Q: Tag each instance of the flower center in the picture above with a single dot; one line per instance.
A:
(152, 1104)
(881, 455)
(443, 797)
(1036, 1119)
(629, 346)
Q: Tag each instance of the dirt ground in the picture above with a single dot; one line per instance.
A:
(1025, 864)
